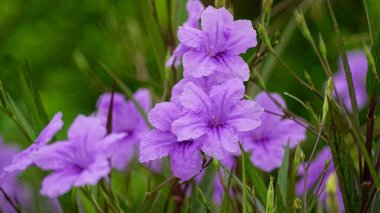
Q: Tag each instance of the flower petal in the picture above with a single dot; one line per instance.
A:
(93, 173)
(214, 23)
(157, 144)
(186, 160)
(50, 130)
(189, 126)
(241, 37)
(191, 37)
(234, 65)
(245, 115)
(194, 98)
(163, 115)
(224, 96)
(198, 63)
(220, 141)
(86, 130)
(59, 182)
(56, 156)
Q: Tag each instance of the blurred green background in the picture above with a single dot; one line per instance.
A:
(69, 43)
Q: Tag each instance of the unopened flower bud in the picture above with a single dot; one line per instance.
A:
(300, 19)
(264, 36)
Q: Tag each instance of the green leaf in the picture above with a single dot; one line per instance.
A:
(282, 180)
(270, 197)
(258, 183)
(202, 199)
(32, 99)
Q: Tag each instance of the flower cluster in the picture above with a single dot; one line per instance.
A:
(207, 111)
(90, 151)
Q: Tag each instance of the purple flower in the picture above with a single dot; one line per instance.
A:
(185, 157)
(23, 160)
(216, 118)
(216, 48)
(314, 171)
(194, 9)
(358, 66)
(268, 142)
(82, 159)
(9, 182)
(125, 119)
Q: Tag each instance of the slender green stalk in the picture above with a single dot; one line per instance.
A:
(244, 180)
(350, 83)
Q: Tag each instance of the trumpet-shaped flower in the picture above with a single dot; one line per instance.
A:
(194, 9)
(80, 160)
(216, 48)
(268, 142)
(185, 157)
(216, 118)
(125, 119)
(23, 160)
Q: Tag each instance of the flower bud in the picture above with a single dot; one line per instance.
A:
(267, 6)
(300, 19)
(371, 61)
(331, 191)
(264, 36)
(298, 203)
(270, 197)
(322, 47)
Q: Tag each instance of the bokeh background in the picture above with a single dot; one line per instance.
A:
(69, 44)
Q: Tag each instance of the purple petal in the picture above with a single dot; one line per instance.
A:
(194, 98)
(198, 63)
(186, 160)
(194, 9)
(245, 115)
(122, 154)
(233, 65)
(270, 105)
(226, 95)
(191, 37)
(50, 130)
(267, 156)
(86, 129)
(156, 145)
(56, 156)
(214, 23)
(94, 172)
(220, 141)
(241, 37)
(163, 115)
(142, 96)
(59, 182)
(189, 126)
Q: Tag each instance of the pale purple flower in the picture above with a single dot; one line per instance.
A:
(314, 171)
(23, 160)
(217, 118)
(216, 48)
(268, 142)
(185, 157)
(194, 9)
(9, 182)
(125, 119)
(358, 66)
(83, 159)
